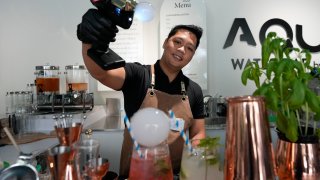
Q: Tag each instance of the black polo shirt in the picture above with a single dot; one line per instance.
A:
(138, 80)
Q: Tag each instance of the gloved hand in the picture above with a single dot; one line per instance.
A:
(96, 29)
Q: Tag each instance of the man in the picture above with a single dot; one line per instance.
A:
(162, 85)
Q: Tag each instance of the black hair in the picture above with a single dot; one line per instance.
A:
(196, 30)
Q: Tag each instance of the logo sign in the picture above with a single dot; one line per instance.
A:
(247, 35)
(241, 23)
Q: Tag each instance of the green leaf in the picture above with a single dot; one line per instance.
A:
(292, 128)
(288, 125)
(281, 66)
(210, 145)
(262, 90)
(281, 122)
(296, 99)
(266, 50)
(209, 142)
(307, 56)
(277, 46)
(313, 100)
(271, 96)
(271, 67)
(245, 74)
(273, 100)
(256, 76)
(298, 66)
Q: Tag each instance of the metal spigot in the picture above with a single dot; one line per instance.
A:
(88, 133)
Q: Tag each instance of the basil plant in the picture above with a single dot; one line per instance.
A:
(283, 79)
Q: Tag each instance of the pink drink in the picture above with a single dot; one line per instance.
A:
(152, 166)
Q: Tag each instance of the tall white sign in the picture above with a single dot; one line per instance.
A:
(175, 12)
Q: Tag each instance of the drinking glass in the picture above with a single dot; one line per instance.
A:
(151, 163)
(200, 163)
(86, 158)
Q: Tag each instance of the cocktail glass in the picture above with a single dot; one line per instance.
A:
(151, 163)
(86, 158)
(102, 169)
(201, 163)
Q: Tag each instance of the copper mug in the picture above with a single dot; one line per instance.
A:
(249, 152)
(298, 160)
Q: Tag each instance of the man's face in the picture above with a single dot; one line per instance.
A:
(179, 49)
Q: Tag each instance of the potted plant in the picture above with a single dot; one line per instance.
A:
(283, 78)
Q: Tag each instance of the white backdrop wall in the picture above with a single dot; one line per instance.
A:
(36, 32)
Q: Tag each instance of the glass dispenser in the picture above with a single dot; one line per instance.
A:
(47, 79)
(77, 78)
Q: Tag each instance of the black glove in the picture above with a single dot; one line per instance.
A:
(96, 29)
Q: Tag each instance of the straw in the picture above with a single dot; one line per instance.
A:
(186, 140)
(136, 145)
(13, 141)
(182, 133)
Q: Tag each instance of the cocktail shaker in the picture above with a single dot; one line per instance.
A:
(61, 163)
(249, 152)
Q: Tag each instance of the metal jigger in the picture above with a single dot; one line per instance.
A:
(249, 152)
(59, 158)
(69, 135)
(67, 132)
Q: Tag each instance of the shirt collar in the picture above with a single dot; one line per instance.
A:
(163, 77)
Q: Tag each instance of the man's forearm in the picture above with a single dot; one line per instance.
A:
(96, 71)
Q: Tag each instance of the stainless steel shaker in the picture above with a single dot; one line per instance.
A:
(22, 169)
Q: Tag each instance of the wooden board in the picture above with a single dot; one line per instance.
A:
(28, 138)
